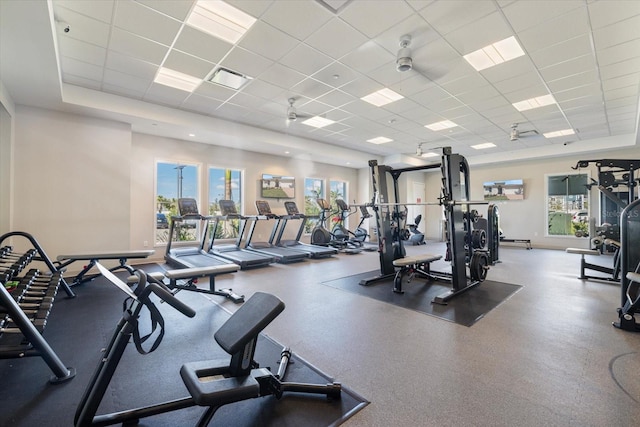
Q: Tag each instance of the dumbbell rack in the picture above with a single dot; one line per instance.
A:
(25, 305)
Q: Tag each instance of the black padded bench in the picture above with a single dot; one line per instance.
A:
(613, 273)
(215, 383)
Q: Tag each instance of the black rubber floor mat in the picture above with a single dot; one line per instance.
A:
(465, 309)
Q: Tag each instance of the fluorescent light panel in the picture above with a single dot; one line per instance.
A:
(483, 145)
(382, 97)
(445, 124)
(494, 54)
(177, 80)
(430, 154)
(558, 133)
(318, 122)
(379, 140)
(220, 19)
(529, 104)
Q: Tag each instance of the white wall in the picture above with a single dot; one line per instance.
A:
(72, 181)
(6, 162)
(148, 149)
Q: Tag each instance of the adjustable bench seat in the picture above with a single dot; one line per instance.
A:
(192, 274)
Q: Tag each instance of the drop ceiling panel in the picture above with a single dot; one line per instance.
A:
(589, 77)
(188, 64)
(367, 57)
(412, 85)
(372, 21)
(363, 86)
(336, 98)
(311, 88)
(305, 59)
(628, 29)
(282, 76)
(81, 81)
(604, 13)
(139, 19)
(451, 15)
(82, 51)
(268, 41)
(336, 75)
(214, 91)
(415, 26)
(299, 19)
(479, 33)
(201, 104)
(561, 52)
(620, 68)
(178, 9)
(527, 14)
(555, 31)
(336, 38)
(126, 81)
(83, 28)
(81, 69)
(122, 91)
(165, 95)
(619, 52)
(129, 65)
(517, 82)
(265, 90)
(132, 45)
(100, 10)
(568, 68)
(246, 62)
(201, 45)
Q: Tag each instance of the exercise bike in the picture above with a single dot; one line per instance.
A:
(211, 384)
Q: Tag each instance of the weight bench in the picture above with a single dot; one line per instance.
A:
(215, 383)
(527, 242)
(122, 256)
(191, 276)
(584, 265)
(420, 264)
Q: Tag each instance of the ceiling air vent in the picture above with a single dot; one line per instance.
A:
(229, 78)
(335, 6)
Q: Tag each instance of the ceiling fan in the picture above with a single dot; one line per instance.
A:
(516, 134)
(292, 112)
(405, 61)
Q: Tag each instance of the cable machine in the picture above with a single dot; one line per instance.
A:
(464, 244)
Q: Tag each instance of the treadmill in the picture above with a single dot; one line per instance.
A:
(283, 255)
(233, 252)
(314, 251)
(189, 257)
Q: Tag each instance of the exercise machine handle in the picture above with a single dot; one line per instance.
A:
(170, 299)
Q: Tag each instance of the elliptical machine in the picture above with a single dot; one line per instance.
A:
(337, 238)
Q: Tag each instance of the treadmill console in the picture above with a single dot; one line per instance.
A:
(292, 208)
(227, 207)
(263, 208)
(188, 207)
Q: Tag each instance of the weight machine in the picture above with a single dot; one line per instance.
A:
(465, 246)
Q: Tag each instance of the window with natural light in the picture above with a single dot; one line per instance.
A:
(567, 204)
(174, 181)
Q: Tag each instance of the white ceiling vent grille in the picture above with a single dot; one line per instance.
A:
(229, 78)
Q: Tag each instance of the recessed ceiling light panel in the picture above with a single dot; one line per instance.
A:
(445, 124)
(177, 80)
(220, 19)
(531, 103)
(379, 140)
(382, 97)
(558, 133)
(318, 122)
(494, 54)
(483, 146)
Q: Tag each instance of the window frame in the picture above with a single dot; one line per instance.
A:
(586, 202)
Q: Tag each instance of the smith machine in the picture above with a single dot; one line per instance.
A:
(465, 245)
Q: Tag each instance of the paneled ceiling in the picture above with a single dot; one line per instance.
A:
(327, 56)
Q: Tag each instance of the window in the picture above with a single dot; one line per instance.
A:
(225, 184)
(173, 181)
(567, 204)
(313, 189)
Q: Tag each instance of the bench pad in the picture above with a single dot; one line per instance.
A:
(187, 273)
(582, 251)
(417, 259)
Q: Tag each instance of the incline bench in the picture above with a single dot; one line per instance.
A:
(122, 256)
(420, 264)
